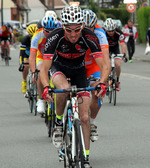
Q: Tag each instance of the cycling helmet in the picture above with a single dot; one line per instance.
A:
(90, 18)
(51, 13)
(72, 15)
(49, 22)
(109, 24)
(31, 29)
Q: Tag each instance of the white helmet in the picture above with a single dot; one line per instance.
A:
(51, 13)
(72, 15)
(110, 24)
(90, 18)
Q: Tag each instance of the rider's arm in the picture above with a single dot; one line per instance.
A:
(123, 47)
(32, 60)
(44, 72)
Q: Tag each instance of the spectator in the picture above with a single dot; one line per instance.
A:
(147, 50)
(131, 34)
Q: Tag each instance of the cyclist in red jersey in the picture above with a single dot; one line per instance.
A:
(91, 66)
(6, 36)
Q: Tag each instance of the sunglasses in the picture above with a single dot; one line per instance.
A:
(77, 30)
(47, 31)
(111, 31)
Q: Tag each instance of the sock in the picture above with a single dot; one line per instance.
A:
(59, 121)
(117, 79)
(92, 121)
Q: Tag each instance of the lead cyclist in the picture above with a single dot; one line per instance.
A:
(64, 55)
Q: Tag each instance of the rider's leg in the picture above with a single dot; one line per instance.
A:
(8, 46)
(118, 68)
(2, 46)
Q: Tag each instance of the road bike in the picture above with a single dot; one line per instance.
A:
(73, 147)
(112, 81)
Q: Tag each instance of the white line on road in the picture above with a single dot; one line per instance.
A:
(135, 76)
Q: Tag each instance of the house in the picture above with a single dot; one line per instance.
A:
(28, 10)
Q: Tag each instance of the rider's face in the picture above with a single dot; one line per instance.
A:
(73, 32)
(111, 33)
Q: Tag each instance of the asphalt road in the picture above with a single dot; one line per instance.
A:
(124, 135)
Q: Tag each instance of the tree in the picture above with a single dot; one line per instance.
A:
(116, 3)
(93, 6)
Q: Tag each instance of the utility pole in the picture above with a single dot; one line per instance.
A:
(98, 10)
(2, 12)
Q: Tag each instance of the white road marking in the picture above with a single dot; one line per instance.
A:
(135, 76)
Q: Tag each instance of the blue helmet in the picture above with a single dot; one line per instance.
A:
(49, 22)
(7, 25)
(90, 18)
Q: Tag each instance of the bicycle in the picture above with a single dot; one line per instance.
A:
(5, 56)
(112, 81)
(73, 147)
(50, 115)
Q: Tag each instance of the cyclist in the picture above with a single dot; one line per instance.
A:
(6, 37)
(49, 23)
(91, 66)
(115, 35)
(15, 34)
(147, 50)
(64, 55)
(24, 55)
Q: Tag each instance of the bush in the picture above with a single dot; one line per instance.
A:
(20, 38)
(143, 20)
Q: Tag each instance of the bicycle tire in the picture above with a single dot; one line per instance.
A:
(110, 94)
(114, 86)
(79, 160)
(30, 95)
(6, 57)
(51, 120)
(67, 146)
(35, 95)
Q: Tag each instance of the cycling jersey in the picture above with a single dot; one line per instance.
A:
(25, 48)
(5, 34)
(69, 58)
(90, 63)
(71, 55)
(38, 45)
(113, 41)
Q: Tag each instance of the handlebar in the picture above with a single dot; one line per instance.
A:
(74, 90)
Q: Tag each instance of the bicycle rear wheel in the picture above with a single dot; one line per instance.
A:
(6, 57)
(79, 158)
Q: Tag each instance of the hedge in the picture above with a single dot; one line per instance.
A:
(117, 13)
(143, 20)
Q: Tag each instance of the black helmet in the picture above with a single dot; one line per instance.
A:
(7, 25)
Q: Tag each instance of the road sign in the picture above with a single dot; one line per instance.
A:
(131, 7)
(144, 4)
(130, 1)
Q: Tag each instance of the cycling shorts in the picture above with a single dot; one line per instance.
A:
(39, 61)
(78, 77)
(25, 58)
(115, 50)
(5, 38)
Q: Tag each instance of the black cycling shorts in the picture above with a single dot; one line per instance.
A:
(5, 38)
(77, 76)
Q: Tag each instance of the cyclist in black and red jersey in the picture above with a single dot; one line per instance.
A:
(147, 50)
(5, 36)
(65, 51)
(115, 36)
(24, 55)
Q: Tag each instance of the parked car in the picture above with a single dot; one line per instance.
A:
(15, 23)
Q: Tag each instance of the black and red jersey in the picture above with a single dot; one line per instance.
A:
(68, 54)
(113, 40)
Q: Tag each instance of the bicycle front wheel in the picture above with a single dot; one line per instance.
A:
(79, 157)
(114, 86)
(35, 95)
